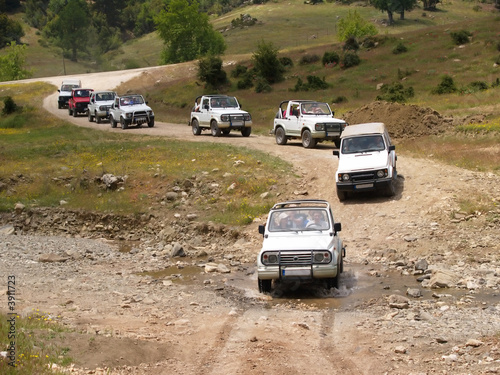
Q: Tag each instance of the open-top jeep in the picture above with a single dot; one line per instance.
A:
(301, 243)
(79, 101)
(308, 120)
(219, 114)
(131, 110)
(100, 103)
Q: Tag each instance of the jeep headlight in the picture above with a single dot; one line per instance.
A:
(270, 258)
(322, 257)
(128, 115)
(319, 127)
(247, 117)
(224, 118)
(344, 177)
(382, 173)
(150, 113)
(102, 108)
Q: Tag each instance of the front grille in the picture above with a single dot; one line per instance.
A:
(295, 258)
(363, 176)
(333, 127)
(140, 114)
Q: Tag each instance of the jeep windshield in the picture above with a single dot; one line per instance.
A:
(315, 108)
(105, 96)
(223, 102)
(82, 93)
(131, 100)
(366, 143)
(298, 220)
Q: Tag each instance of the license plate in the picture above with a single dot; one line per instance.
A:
(295, 272)
(363, 186)
(236, 123)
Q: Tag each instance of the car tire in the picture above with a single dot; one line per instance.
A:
(123, 123)
(281, 136)
(307, 140)
(59, 106)
(69, 111)
(245, 132)
(75, 113)
(89, 116)
(390, 190)
(333, 282)
(112, 122)
(98, 119)
(265, 286)
(151, 123)
(195, 126)
(226, 131)
(342, 195)
(215, 129)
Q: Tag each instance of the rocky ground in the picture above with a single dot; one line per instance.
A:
(168, 294)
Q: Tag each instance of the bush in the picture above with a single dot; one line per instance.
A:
(351, 44)
(474, 87)
(447, 86)
(246, 81)
(400, 48)
(210, 71)
(286, 62)
(9, 106)
(308, 59)
(238, 71)
(313, 83)
(461, 37)
(340, 99)
(404, 73)
(349, 60)
(267, 64)
(369, 42)
(396, 92)
(262, 86)
(331, 58)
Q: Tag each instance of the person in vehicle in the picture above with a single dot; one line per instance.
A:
(318, 221)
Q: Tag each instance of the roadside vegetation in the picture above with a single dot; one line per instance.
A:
(46, 161)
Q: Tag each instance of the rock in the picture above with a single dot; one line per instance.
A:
(19, 207)
(400, 350)
(443, 279)
(177, 251)
(398, 302)
(171, 196)
(421, 265)
(7, 230)
(473, 343)
(51, 258)
(414, 292)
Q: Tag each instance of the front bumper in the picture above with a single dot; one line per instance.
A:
(366, 185)
(139, 120)
(297, 272)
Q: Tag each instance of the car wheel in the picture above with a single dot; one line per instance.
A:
(281, 136)
(390, 190)
(226, 131)
(196, 127)
(112, 122)
(245, 132)
(123, 123)
(59, 106)
(98, 119)
(69, 111)
(215, 129)
(341, 267)
(75, 113)
(307, 140)
(333, 282)
(265, 286)
(90, 117)
(342, 195)
(151, 123)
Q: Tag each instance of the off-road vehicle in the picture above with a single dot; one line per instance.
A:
(220, 114)
(367, 161)
(65, 91)
(301, 243)
(130, 110)
(307, 120)
(79, 101)
(100, 103)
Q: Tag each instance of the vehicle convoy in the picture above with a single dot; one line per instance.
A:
(367, 160)
(99, 105)
(310, 121)
(131, 109)
(65, 91)
(301, 244)
(220, 114)
(79, 101)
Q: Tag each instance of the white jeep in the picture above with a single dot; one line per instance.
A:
(130, 110)
(100, 104)
(67, 87)
(301, 243)
(220, 114)
(367, 160)
(308, 120)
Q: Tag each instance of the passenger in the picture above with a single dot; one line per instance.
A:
(298, 220)
(318, 221)
(283, 220)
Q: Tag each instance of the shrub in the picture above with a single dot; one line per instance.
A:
(351, 44)
(267, 64)
(210, 71)
(308, 59)
(340, 99)
(332, 58)
(396, 92)
(474, 87)
(9, 106)
(243, 20)
(461, 37)
(262, 86)
(496, 83)
(446, 86)
(313, 83)
(369, 42)
(353, 25)
(245, 82)
(400, 48)
(286, 62)
(349, 60)
(238, 71)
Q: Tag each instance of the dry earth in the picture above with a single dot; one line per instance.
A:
(191, 318)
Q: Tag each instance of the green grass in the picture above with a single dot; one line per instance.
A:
(31, 341)
(46, 160)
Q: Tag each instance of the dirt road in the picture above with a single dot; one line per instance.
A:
(199, 323)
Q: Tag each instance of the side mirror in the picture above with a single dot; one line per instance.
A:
(336, 153)
(392, 148)
(206, 107)
(146, 102)
(58, 90)
(262, 229)
(337, 227)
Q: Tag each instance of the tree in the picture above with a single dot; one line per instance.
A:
(69, 28)
(112, 10)
(187, 33)
(404, 5)
(266, 62)
(210, 71)
(388, 6)
(10, 31)
(354, 26)
(12, 63)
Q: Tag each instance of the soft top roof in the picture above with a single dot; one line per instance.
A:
(361, 129)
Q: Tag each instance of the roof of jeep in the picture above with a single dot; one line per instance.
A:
(360, 129)
(302, 203)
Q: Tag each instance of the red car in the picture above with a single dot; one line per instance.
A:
(79, 101)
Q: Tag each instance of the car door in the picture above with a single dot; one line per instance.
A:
(293, 118)
(204, 116)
